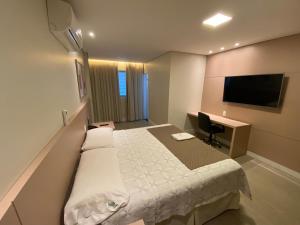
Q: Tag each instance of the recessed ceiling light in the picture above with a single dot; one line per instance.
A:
(222, 48)
(217, 20)
(91, 34)
(237, 44)
(210, 51)
(78, 32)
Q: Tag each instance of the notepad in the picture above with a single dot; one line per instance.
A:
(182, 136)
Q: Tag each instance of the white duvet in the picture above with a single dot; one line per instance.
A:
(160, 186)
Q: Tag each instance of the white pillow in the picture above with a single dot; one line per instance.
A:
(98, 190)
(98, 138)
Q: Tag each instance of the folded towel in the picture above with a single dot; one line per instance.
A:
(182, 136)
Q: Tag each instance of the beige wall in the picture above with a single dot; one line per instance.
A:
(186, 85)
(275, 133)
(38, 80)
(175, 87)
(159, 79)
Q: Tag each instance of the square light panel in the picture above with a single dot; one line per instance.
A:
(217, 20)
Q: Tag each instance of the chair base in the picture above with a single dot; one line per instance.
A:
(212, 142)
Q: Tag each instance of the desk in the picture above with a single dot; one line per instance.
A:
(240, 134)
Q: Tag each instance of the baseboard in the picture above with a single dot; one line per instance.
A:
(224, 142)
(151, 122)
(275, 165)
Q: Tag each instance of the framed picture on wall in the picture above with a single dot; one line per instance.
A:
(80, 79)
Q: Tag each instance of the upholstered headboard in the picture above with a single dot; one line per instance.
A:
(39, 196)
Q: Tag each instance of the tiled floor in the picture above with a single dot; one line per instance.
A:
(276, 198)
(276, 195)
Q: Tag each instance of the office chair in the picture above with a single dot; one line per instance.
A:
(206, 125)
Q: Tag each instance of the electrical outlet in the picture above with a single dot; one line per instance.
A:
(65, 117)
(224, 113)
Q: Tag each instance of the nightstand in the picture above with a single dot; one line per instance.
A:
(105, 124)
(140, 222)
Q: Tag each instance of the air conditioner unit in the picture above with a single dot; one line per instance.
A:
(64, 25)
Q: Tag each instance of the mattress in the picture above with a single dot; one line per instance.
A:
(161, 186)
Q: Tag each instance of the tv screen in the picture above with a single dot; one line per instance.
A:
(262, 90)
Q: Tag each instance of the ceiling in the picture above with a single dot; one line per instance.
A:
(140, 30)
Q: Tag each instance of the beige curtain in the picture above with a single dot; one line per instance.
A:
(105, 92)
(135, 91)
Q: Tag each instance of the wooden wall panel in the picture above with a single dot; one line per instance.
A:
(275, 132)
(42, 199)
(10, 217)
(39, 195)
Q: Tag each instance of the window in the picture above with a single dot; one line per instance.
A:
(122, 83)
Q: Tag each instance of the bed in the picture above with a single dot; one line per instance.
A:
(172, 183)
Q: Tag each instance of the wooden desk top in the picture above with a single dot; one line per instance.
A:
(222, 120)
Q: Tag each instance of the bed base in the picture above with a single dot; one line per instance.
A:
(204, 213)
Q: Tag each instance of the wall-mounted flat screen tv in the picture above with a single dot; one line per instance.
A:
(261, 90)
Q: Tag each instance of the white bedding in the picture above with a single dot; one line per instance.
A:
(160, 186)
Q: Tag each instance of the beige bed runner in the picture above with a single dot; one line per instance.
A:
(193, 153)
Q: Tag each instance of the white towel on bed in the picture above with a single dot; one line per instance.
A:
(98, 190)
(182, 136)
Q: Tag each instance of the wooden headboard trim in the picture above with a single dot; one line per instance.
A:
(11, 217)
(6, 202)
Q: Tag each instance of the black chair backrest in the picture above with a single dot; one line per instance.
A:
(204, 122)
